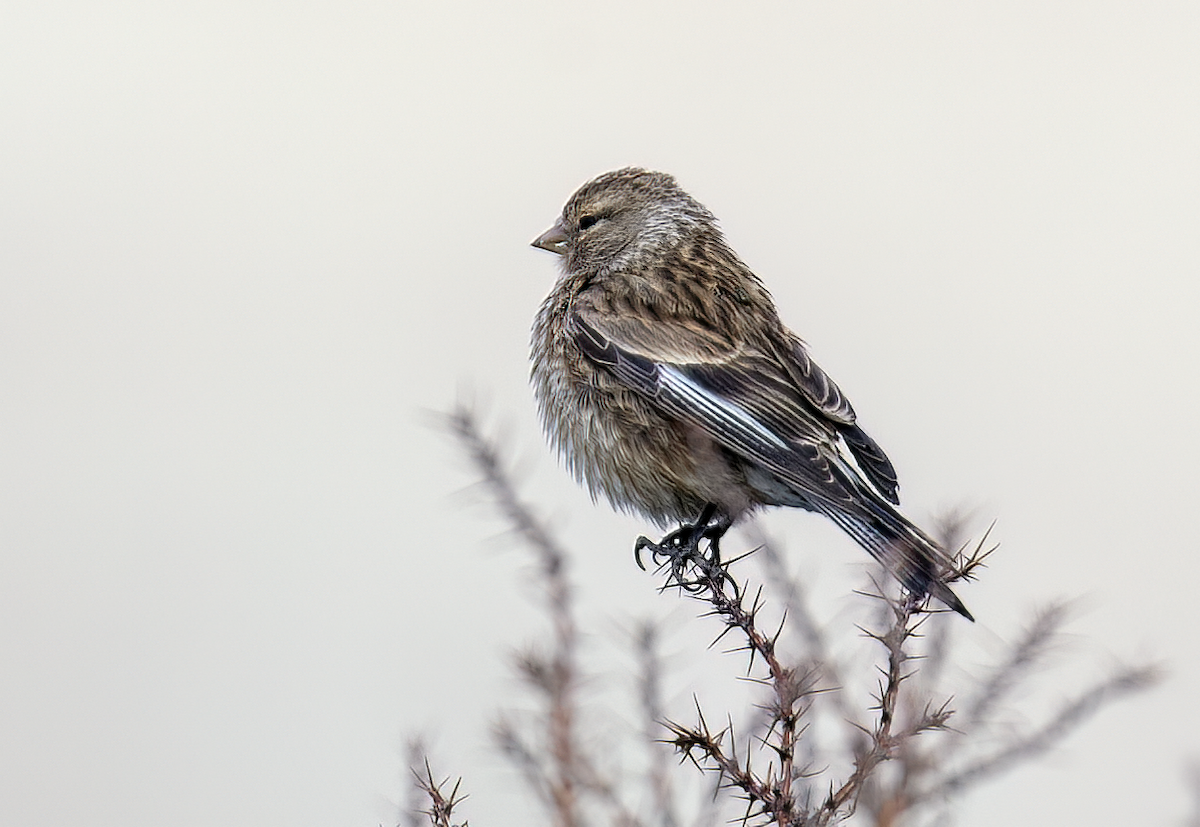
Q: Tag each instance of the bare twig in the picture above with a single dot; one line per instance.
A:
(782, 790)
(885, 739)
(1023, 656)
(441, 805)
(555, 676)
(568, 771)
(705, 578)
(950, 531)
(412, 812)
(650, 696)
(524, 757)
(1073, 715)
(805, 625)
(700, 738)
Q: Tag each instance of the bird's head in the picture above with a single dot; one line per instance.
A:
(623, 219)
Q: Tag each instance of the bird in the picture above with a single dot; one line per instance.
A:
(666, 381)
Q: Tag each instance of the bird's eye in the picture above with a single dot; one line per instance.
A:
(586, 221)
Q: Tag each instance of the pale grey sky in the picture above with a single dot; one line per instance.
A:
(245, 246)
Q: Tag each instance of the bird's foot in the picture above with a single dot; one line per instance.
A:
(692, 567)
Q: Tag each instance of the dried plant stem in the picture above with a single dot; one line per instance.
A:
(1068, 719)
(557, 676)
(441, 805)
(884, 739)
(773, 795)
(784, 792)
(650, 692)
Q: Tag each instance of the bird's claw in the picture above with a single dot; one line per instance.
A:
(642, 542)
(680, 550)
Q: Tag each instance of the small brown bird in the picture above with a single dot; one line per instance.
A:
(665, 378)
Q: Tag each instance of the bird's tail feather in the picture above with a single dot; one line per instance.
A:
(907, 552)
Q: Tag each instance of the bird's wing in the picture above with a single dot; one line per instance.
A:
(748, 401)
(874, 462)
(822, 392)
(742, 396)
(689, 341)
(828, 398)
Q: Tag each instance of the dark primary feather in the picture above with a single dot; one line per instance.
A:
(874, 462)
(818, 387)
(828, 397)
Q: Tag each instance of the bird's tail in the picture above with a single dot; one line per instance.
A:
(907, 552)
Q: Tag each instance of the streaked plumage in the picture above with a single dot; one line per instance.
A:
(665, 378)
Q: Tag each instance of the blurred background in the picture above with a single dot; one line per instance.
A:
(247, 249)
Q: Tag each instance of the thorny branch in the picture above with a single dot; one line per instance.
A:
(804, 624)
(650, 697)
(1023, 657)
(784, 792)
(885, 739)
(417, 794)
(441, 805)
(706, 578)
(555, 676)
(564, 772)
(1068, 719)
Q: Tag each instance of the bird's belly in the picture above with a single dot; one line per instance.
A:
(620, 446)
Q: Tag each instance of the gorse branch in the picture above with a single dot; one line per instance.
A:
(650, 700)
(417, 794)
(441, 804)
(706, 578)
(1023, 657)
(813, 754)
(1069, 718)
(885, 739)
(556, 777)
(771, 792)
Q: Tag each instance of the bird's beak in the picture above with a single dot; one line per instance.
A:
(554, 239)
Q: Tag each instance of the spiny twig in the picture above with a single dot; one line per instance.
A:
(804, 624)
(555, 676)
(1069, 718)
(884, 739)
(733, 773)
(441, 806)
(781, 792)
(1022, 657)
(705, 578)
(650, 697)
(416, 790)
